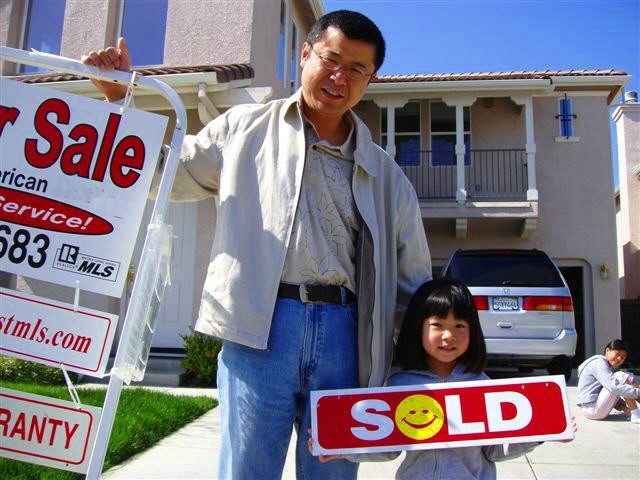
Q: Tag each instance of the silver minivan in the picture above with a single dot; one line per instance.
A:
(524, 304)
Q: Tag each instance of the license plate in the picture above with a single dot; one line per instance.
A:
(505, 303)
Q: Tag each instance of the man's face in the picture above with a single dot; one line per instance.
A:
(329, 94)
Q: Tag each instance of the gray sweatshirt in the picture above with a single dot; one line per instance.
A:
(594, 374)
(449, 463)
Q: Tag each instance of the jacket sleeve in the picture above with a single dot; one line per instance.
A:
(506, 451)
(200, 164)
(604, 375)
(414, 259)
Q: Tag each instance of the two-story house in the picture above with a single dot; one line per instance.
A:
(500, 159)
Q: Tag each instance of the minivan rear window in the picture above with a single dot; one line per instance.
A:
(487, 270)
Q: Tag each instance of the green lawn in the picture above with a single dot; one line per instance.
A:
(143, 418)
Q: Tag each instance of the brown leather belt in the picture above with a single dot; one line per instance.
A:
(317, 293)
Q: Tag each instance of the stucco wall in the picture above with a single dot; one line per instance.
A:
(499, 126)
(205, 31)
(88, 25)
(627, 118)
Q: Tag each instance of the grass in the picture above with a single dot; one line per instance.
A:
(142, 419)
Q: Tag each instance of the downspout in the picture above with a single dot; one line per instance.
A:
(207, 111)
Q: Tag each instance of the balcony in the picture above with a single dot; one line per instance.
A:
(496, 184)
(490, 175)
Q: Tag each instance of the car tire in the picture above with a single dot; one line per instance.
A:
(561, 366)
(525, 369)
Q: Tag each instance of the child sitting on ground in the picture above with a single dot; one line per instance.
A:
(600, 388)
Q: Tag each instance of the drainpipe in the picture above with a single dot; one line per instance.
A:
(207, 111)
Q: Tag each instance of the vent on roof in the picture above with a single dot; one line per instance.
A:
(631, 97)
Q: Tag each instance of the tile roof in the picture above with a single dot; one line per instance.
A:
(224, 73)
(512, 75)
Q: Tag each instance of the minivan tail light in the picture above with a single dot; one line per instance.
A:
(553, 304)
(481, 301)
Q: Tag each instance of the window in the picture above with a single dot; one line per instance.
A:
(407, 137)
(143, 25)
(281, 49)
(565, 117)
(288, 56)
(443, 134)
(43, 29)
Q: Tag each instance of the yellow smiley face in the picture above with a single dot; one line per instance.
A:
(419, 417)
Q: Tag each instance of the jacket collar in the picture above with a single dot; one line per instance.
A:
(364, 143)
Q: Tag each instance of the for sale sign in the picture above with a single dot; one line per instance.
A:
(54, 333)
(46, 431)
(74, 178)
(440, 415)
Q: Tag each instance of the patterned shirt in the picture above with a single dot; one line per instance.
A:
(322, 245)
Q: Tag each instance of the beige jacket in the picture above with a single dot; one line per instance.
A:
(251, 159)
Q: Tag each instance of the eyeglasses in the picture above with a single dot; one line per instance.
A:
(352, 72)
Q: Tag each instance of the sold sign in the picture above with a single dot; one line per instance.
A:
(445, 415)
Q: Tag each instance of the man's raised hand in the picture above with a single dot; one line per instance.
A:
(109, 59)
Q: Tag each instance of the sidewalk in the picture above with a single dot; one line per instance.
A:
(601, 450)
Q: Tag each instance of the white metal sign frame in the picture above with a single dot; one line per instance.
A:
(155, 247)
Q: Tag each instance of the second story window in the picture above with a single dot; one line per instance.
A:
(407, 137)
(565, 117)
(143, 25)
(43, 28)
(443, 134)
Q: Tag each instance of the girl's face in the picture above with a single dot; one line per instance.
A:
(445, 340)
(615, 357)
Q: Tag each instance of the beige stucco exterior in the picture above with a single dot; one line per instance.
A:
(627, 120)
(572, 218)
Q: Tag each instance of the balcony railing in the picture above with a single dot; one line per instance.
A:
(489, 174)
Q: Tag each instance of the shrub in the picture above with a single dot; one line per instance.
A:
(17, 370)
(201, 360)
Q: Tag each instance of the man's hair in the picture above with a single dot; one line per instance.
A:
(437, 298)
(355, 26)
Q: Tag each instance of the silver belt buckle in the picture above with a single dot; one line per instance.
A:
(304, 294)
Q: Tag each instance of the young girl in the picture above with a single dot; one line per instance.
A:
(600, 388)
(441, 341)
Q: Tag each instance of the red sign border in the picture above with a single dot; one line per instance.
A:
(33, 300)
(62, 407)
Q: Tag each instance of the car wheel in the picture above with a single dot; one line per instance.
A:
(561, 366)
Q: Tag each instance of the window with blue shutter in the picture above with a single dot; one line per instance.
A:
(566, 117)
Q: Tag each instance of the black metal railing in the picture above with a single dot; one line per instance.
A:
(489, 174)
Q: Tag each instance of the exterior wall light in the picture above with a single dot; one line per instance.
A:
(604, 271)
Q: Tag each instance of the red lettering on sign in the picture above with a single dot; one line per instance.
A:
(47, 131)
(123, 160)
(8, 115)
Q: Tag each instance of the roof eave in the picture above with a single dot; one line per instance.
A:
(615, 83)
(542, 85)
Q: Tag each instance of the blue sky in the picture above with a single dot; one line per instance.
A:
(455, 36)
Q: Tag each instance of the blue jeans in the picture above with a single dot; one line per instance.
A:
(263, 393)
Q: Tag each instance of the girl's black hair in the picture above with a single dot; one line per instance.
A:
(437, 298)
(617, 344)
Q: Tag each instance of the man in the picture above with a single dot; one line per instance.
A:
(312, 215)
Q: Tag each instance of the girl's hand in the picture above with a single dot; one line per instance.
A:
(322, 458)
